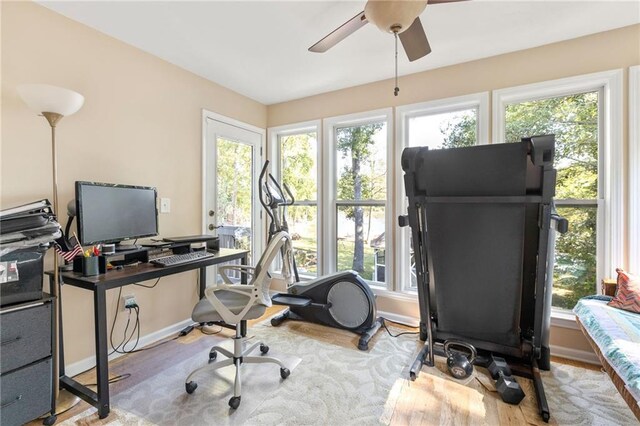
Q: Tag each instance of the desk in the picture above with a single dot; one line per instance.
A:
(99, 284)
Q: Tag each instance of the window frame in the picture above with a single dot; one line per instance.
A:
(610, 222)
(275, 158)
(330, 208)
(634, 169)
(404, 113)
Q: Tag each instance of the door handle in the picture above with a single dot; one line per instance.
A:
(211, 227)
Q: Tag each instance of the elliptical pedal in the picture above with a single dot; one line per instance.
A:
(284, 299)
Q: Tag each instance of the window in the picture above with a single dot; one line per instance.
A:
(295, 163)
(357, 178)
(634, 169)
(581, 112)
(361, 193)
(574, 120)
(447, 123)
(299, 171)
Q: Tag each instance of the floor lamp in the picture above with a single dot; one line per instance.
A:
(54, 103)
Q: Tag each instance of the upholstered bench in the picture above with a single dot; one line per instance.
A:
(614, 335)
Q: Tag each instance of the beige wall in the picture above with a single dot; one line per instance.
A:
(604, 51)
(141, 124)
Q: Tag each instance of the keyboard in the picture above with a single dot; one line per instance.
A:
(179, 259)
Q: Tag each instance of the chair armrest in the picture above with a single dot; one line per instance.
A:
(245, 269)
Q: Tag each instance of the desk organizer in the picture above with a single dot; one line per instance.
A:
(118, 258)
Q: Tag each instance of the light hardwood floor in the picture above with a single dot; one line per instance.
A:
(427, 401)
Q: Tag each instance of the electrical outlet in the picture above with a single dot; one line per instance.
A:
(129, 301)
(165, 205)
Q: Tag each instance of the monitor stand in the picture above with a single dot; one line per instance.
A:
(126, 247)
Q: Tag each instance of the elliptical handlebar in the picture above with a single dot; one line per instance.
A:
(261, 194)
(270, 191)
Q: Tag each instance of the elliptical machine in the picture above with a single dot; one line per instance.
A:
(341, 300)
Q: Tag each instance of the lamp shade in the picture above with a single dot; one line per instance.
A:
(47, 98)
(390, 14)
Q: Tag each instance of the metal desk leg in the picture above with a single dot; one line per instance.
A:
(243, 280)
(61, 371)
(102, 356)
(203, 281)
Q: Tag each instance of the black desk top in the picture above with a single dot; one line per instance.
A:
(144, 271)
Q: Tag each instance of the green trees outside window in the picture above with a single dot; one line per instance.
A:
(298, 162)
(574, 122)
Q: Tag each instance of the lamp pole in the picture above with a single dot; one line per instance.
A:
(53, 118)
(54, 103)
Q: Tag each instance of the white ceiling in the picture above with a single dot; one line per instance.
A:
(259, 48)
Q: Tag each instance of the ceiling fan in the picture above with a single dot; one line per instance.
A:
(398, 17)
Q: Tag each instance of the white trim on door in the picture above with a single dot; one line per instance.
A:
(259, 155)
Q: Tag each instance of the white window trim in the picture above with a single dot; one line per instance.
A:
(611, 250)
(634, 170)
(274, 154)
(329, 188)
(403, 114)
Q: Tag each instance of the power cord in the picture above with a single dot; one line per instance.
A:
(148, 286)
(201, 328)
(384, 324)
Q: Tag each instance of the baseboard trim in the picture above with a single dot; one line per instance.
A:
(575, 354)
(402, 319)
(89, 362)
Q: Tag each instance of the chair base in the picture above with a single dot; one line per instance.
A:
(239, 356)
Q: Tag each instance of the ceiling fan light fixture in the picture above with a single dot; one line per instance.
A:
(393, 16)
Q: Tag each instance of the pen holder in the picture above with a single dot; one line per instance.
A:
(87, 266)
(90, 266)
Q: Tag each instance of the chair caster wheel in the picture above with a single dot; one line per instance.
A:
(213, 355)
(234, 402)
(190, 387)
(276, 321)
(264, 349)
(50, 420)
(284, 373)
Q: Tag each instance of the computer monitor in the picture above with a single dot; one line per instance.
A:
(111, 213)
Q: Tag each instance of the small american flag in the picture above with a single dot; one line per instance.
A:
(75, 250)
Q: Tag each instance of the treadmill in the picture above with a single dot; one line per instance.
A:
(482, 224)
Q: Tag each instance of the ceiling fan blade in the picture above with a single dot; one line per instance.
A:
(339, 33)
(414, 40)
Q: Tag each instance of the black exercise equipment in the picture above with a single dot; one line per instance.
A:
(340, 300)
(506, 385)
(482, 221)
(459, 364)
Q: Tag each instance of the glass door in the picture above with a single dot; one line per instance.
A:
(232, 207)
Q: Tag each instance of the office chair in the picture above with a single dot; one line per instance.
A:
(235, 304)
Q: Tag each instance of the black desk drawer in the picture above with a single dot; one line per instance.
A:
(25, 335)
(25, 394)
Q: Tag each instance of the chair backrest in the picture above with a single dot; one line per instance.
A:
(279, 243)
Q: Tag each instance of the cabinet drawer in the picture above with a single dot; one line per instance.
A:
(25, 394)
(25, 336)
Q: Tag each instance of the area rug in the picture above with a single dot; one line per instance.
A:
(332, 385)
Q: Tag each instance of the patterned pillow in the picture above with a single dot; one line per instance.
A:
(628, 292)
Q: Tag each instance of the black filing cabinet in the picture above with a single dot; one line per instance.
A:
(26, 373)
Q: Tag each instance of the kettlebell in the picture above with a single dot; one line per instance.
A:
(460, 365)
